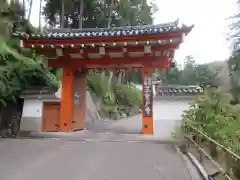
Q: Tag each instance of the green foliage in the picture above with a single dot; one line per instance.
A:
(135, 77)
(234, 60)
(191, 74)
(18, 69)
(115, 98)
(95, 14)
(215, 117)
(234, 69)
(129, 96)
(18, 72)
(102, 86)
(173, 76)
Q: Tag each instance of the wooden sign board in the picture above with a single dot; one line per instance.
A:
(147, 96)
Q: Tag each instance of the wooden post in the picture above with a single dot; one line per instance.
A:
(79, 106)
(147, 101)
(66, 110)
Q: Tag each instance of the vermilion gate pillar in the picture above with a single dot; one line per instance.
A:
(147, 101)
(66, 109)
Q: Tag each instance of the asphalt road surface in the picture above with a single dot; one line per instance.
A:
(91, 155)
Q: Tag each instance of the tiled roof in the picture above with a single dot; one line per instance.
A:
(39, 91)
(178, 90)
(113, 32)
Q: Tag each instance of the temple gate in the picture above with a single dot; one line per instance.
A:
(77, 51)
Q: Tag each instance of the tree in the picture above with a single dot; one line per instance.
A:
(206, 76)
(173, 76)
(234, 60)
(96, 13)
(40, 13)
(30, 9)
(189, 74)
(18, 69)
(234, 69)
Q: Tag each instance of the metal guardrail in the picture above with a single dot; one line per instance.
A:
(226, 172)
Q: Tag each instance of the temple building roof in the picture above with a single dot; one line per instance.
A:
(120, 47)
(40, 93)
(177, 90)
(73, 34)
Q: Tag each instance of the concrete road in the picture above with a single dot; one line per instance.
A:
(91, 155)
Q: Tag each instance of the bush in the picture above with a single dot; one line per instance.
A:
(116, 99)
(214, 116)
(129, 96)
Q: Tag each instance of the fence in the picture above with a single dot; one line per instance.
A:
(223, 159)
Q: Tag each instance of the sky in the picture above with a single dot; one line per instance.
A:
(207, 41)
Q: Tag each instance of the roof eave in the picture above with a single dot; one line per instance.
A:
(113, 32)
(187, 29)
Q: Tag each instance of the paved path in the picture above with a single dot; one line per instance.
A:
(99, 153)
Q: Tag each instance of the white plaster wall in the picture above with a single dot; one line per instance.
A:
(32, 108)
(167, 116)
(32, 115)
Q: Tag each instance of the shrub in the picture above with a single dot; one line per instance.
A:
(214, 116)
(115, 99)
(129, 96)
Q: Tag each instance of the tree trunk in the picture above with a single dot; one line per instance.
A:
(40, 14)
(109, 25)
(30, 10)
(80, 25)
(23, 3)
(110, 14)
(119, 77)
(236, 169)
(62, 15)
(213, 150)
(235, 96)
(1, 115)
(124, 77)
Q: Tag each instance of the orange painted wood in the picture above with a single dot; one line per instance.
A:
(50, 117)
(66, 110)
(106, 40)
(147, 122)
(79, 110)
(139, 48)
(106, 62)
(147, 127)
